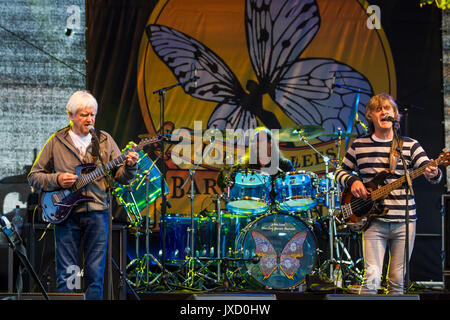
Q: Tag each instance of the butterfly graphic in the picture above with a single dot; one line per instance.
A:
(277, 32)
(287, 262)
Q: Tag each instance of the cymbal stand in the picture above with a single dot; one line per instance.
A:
(148, 255)
(219, 236)
(329, 203)
(162, 98)
(191, 259)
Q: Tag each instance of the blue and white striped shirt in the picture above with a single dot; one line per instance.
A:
(369, 155)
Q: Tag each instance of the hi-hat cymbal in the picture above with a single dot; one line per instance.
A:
(307, 131)
(338, 134)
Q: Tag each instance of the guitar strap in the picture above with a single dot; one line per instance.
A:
(393, 155)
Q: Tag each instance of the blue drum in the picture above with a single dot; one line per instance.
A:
(177, 239)
(332, 194)
(231, 227)
(249, 194)
(296, 191)
(279, 250)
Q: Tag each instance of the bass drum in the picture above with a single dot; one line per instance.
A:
(278, 249)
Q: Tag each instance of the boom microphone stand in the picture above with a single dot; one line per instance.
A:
(162, 94)
(16, 244)
(409, 191)
(192, 172)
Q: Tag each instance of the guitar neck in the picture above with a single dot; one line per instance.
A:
(384, 191)
(100, 171)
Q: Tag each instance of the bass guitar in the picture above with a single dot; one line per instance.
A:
(358, 213)
(57, 205)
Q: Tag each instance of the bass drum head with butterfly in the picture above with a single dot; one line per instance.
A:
(281, 249)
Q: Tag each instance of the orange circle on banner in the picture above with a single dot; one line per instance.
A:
(343, 36)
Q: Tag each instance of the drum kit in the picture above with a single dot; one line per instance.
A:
(266, 232)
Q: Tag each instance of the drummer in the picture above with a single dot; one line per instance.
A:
(272, 160)
(262, 154)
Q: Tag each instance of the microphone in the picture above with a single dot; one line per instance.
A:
(91, 129)
(389, 118)
(9, 229)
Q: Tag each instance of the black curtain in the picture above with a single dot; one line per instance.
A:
(414, 35)
(114, 31)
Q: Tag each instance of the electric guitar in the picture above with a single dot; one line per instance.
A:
(358, 213)
(57, 205)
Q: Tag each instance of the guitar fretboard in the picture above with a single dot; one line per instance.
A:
(384, 191)
(100, 171)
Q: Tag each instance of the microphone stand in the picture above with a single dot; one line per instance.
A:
(110, 187)
(409, 191)
(16, 244)
(331, 208)
(192, 172)
(162, 94)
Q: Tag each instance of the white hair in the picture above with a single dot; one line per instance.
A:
(79, 100)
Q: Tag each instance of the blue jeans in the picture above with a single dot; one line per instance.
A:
(376, 239)
(92, 228)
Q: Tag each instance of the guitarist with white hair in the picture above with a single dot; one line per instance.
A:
(373, 157)
(68, 149)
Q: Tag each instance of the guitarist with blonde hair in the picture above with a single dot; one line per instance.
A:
(371, 157)
(72, 147)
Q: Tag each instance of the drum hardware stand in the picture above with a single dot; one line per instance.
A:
(219, 236)
(330, 206)
(224, 264)
(134, 208)
(192, 259)
(143, 272)
(162, 94)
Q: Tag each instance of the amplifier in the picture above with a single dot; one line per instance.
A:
(41, 253)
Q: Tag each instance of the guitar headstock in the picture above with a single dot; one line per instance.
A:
(443, 159)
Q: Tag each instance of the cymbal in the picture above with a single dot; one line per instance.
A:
(307, 131)
(217, 134)
(338, 134)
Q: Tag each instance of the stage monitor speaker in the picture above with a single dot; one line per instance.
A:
(39, 296)
(41, 253)
(239, 297)
(354, 297)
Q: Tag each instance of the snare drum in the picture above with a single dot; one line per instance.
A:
(249, 194)
(279, 250)
(296, 191)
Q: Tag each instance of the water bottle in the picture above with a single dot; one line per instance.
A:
(17, 220)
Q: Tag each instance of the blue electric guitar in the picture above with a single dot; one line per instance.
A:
(57, 205)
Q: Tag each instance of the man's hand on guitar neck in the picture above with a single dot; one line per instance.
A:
(359, 190)
(66, 180)
(431, 172)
